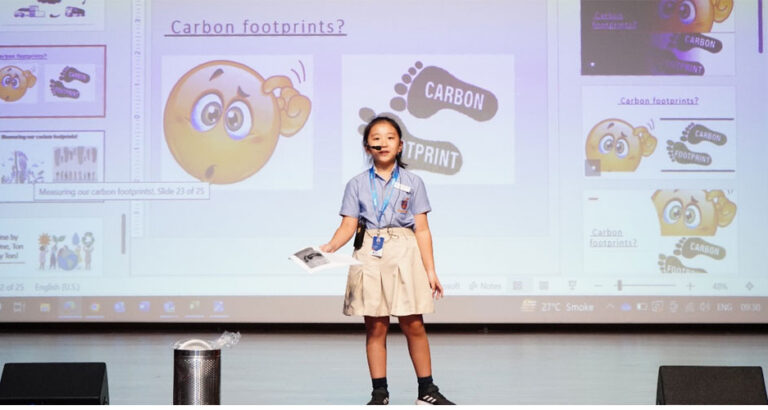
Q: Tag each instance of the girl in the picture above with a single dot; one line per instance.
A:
(397, 275)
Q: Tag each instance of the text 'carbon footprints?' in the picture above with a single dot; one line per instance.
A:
(671, 264)
(679, 153)
(696, 133)
(440, 157)
(426, 90)
(692, 247)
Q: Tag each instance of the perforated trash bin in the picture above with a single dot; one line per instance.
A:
(196, 373)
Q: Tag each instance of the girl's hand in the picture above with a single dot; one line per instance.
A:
(434, 284)
(326, 248)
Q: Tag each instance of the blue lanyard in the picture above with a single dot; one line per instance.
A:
(375, 196)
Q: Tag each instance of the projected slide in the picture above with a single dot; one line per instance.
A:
(671, 231)
(52, 15)
(59, 156)
(661, 37)
(585, 161)
(53, 81)
(59, 247)
(681, 132)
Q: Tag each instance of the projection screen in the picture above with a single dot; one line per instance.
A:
(592, 161)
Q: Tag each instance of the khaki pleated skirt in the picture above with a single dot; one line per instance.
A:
(395, 284)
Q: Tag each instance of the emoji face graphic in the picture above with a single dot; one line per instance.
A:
(617, 146)
(14, 83)
(692, 213)
(692, 16)
(222, 120)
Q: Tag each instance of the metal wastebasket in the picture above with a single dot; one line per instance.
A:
(196, 373)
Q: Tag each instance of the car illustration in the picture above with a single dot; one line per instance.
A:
(31, 11)
(74, 12)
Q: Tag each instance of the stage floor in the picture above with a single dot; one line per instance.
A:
(538, 367)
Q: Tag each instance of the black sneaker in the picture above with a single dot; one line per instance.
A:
(379, 397)
(433, 396)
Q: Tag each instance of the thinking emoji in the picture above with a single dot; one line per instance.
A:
(692, 213)
(15, 82)
(618, 146)
(223, 119)
(692, 16)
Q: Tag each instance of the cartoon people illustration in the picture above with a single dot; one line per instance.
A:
(43, 240)
(88, 240)
(14, 83)
(43, 258)
(223, 119)
(692, 16)
(23, 170)
(54, 252)
(692, 212)
(618, 146)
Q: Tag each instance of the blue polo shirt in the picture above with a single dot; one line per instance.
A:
(408, 198)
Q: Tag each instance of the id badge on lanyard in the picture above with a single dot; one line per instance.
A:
(377, 248)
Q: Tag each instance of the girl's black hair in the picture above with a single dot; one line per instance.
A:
(395, 125)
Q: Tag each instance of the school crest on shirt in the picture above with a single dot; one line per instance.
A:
(404, 205)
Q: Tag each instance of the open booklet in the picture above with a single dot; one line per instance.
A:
(313, 259)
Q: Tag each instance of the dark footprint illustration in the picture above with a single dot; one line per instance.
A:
(71, 73)
(666, 62)
(671, 264)
(692, 247)
(679, 153)
(439, 157)
(696, 133)
(688, 41)
(427, 90)
(59, 90)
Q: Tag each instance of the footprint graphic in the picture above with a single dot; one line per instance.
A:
(671, 264)
(679, 153)
(427, 90)
(71, 73)
(440, 157)
(666, 62)
(692, 247)
(696, 133)
(59, 90)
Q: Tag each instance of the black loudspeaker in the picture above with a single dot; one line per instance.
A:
(711, 385)
(54, 383)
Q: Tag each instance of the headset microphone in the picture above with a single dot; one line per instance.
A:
(376, 147)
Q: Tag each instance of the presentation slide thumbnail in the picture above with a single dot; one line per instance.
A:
(637, 132)
(29, 157)
(664, 37)
(52, 81)
(663, 231)
(62, 247)
(52, 15)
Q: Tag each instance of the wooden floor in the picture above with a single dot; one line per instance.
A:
(471, 367)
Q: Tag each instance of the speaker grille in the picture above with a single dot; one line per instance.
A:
(54, 383)
(711, 385)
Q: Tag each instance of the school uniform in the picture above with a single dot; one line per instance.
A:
(395, 283)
